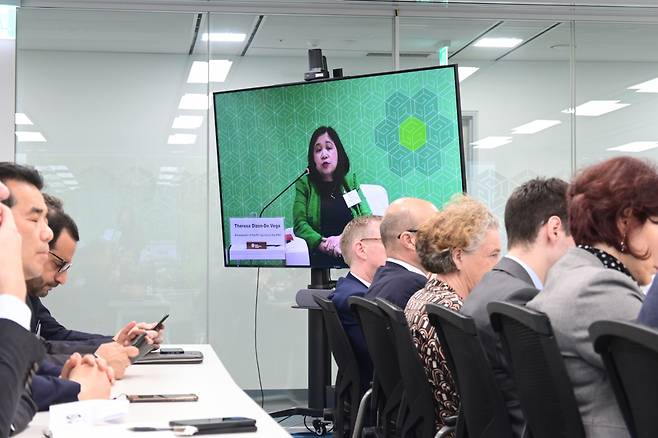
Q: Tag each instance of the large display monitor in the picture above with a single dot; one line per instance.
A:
(399, 131)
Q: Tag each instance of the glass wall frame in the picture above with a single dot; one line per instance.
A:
(151, 234)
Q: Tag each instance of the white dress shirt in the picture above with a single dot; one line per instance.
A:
(15, 310)
(407, 266)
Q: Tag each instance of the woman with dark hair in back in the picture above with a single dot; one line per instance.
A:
(613, 216)
(327, 199)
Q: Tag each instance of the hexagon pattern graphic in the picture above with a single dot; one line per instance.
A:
(400, 131)
(413, 133)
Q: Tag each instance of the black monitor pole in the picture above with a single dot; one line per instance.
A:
(319, 356)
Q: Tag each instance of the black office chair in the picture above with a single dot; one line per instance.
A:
(630, 355)
(543, 385)
(419, 419)
(481, 402)
(387, 381)
(348, 381)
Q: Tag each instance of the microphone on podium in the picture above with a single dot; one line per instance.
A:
(304, 173)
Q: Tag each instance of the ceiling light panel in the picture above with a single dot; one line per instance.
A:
(224, 37)
(650, 86)
(201, 74)
(635, 146)
(22, 119)
(192, 101)
(491, 142)
(595, 108)
(29, 136)
(500, 43)
(181, 139)
(465, 72)
(535, 126)
(187, 122)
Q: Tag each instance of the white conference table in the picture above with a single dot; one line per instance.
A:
(219, 396)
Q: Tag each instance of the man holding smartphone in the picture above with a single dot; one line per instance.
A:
(61, 342)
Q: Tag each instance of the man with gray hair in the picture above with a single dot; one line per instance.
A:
(362, 249)
(403, 274)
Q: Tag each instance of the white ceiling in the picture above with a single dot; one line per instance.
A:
(338, 36)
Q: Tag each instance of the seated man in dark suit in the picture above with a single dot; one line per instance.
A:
(60, 342)
(20, 351)
(362, 249)
(538, 235)
(403, 274)
(29, 211)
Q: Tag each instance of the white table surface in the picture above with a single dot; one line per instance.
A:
(219, 396)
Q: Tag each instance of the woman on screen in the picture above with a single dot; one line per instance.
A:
(326, 199)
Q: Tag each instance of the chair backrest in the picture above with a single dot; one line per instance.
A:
(380, 346)
(338, 341)
(630, 355)
(348, 382)
(420, 420)
(377, 198)
(545, 390)
(482, 404)
(387, 384)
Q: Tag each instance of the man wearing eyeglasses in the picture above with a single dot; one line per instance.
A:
(362, 250)
(403, 274)
(60, 341)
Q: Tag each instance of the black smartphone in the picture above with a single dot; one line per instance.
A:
(172, 350)
(157, 398)
(139, 340)
(143, 346)
(219, 425)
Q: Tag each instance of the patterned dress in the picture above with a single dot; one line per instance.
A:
(428, 346)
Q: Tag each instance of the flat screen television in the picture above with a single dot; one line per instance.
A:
(400, 132)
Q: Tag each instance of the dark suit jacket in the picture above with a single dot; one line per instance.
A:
(346, 287)
(508, 282)
(59, 341)
(396, 284)
(20, 352)
(48, 389)
(649, 311)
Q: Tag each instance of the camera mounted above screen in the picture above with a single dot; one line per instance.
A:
(317, 66)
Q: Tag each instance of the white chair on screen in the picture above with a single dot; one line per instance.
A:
(377, 198)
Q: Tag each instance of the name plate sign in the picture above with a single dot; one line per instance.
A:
(258, 233)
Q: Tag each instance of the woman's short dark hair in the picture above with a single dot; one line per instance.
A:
(601, 194)
(343, 164)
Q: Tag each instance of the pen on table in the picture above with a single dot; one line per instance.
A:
(178, 430)
(148, 429)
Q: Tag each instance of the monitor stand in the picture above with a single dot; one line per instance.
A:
(319, 356)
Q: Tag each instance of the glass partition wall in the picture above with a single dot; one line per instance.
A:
(119, 111)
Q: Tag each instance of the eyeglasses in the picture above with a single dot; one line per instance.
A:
(370, 238)
(62, 265)
(407, 231)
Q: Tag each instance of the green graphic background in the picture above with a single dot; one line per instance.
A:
(399, 131)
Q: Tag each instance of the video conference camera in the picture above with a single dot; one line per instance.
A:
(317, 66)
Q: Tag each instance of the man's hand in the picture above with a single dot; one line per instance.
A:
(93, 375)
(132, 330)
(117, 356)
(12, 281)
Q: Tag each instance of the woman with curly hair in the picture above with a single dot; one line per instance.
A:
(458, 246)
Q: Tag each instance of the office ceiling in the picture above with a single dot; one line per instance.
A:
(338, 36)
